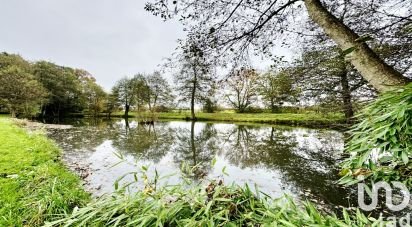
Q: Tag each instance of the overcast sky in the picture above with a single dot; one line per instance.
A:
(108, 38)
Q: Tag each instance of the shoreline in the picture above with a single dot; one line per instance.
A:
(308, 120)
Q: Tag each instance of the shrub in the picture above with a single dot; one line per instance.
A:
(163, 108)
(381, 144)
(253, 109)
(193, 204)
(209, 106)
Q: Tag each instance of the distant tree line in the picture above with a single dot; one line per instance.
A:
(45, 89)
(48, 90)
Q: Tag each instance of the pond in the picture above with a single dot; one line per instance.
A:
(298, 161)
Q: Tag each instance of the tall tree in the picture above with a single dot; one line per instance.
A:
(242, 89)
(380, 22)
(111, 105)
(195, 75)
(159, 91)
(229, 25)
(379, 74)
(63, 86)
(324, 76)
(276, 88)
(95, 97)
(140, 91)
(20, 91)
(123, 91)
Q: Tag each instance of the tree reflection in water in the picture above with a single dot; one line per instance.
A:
(301, 161)
(149, 142)
(196, 148)
(305, 161)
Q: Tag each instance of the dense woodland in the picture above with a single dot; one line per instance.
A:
(46, 89)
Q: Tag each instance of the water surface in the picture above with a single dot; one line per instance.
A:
(297, 161)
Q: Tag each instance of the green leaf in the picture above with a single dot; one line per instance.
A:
(224, 171)
(405, 157)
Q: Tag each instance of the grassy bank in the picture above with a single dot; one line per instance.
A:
(35, 185)
(270, 118)
(310, 119)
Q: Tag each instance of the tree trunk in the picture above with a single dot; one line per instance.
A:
(192, 103)
(13, 113)
(126, 110)
(274, 108)
(241, 109)
(379, 74)
(346, 97)
(192, 99)
(150, 105)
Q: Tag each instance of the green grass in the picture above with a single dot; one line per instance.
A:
(306, 119)
(2, 115)
(214, 204)
(309, 119)
(35, 185)
(303, 118)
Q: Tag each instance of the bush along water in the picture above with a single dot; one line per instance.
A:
(381, 144)
(201, 204)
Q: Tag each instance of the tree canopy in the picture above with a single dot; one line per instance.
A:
(233, 28)
(29, 89)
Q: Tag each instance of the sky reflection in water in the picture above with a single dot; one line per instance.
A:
(297, 161)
